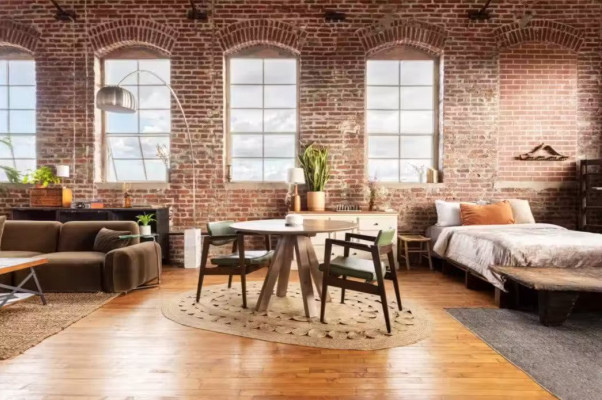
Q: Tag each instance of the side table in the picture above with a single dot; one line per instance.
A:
(423, 248)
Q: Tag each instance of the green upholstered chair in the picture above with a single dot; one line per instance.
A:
(239, 262)
(336, 271)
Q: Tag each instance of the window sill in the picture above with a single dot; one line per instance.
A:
(256, 185)
(7, 185)
(133, 185)
(411, 185)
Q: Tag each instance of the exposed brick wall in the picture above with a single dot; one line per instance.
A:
(331, 90)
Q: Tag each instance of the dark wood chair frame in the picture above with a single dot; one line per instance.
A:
(242, 269)
(364, 287)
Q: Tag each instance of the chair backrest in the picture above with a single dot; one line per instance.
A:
(221, 228)
(385, 238)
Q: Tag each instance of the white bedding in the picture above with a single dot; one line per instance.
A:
(540, 245)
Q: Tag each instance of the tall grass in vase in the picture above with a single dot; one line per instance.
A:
(314, 161)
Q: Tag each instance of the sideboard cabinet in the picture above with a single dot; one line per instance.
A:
(368, 223)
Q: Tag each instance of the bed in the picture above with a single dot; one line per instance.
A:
(478, 247)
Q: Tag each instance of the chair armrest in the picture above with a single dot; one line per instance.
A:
(349, 236)
(129, 267)
(219, 237)
(348, 245)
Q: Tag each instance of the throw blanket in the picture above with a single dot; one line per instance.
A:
(525, 245)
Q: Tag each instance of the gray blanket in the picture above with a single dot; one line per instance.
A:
(527, 245)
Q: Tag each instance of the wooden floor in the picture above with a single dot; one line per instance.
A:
(127, 349)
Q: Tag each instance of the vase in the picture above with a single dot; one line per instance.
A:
(316, 201)
(145, 229)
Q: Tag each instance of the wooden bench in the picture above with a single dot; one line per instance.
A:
(557, 288)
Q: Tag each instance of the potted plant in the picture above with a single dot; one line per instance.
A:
(314, 161)
(144, 220)
(42, 195)
(42, 177)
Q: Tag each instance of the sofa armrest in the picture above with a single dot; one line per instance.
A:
(129, 267)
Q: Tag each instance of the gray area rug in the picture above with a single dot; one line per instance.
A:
(566, 360)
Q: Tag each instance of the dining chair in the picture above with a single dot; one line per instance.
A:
(336, 271)
(239, 262)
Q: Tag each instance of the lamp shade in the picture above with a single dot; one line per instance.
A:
(62, 171)
(116, 99)
(295, 175)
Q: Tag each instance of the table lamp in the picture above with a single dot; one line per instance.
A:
(295, 177)
(62, 171)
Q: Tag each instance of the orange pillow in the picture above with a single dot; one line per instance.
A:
(491, 214)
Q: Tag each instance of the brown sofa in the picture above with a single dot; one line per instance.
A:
(73, 266)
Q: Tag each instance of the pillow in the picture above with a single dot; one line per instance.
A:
(108, 239)
(448, 213)
(521, 211)
(491, 214)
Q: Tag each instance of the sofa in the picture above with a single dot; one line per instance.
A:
(73, 266)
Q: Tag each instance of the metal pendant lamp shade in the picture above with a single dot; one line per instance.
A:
(116, 99)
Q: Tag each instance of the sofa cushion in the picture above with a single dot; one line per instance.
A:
(108, 239)
(70, 272)
(39, 236)
(80, 235)
(19, 254)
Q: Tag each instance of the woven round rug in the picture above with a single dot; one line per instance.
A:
(358, 324)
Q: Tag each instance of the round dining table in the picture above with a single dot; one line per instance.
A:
(293, 240)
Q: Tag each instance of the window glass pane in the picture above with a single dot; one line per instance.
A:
(161, 67)
(3, 72)
(115, 70)
(122, 123)
(245, 169)
(25, 166)
(151, 145)
(5, 163)
(155, 170)
(4, 148)
(417, 72)
(129, 170)
(247, 145)
(382, 72)
(154, 97)
(416, 146)
(383, 97)
(21, 72)
(382, 121)
(155, 121)
(23, 97)
(3, 121)
(246, 70)
(246, 121)
(279, 146)
(124, 147)
(275, 169)
(384, 170)
(22, 121)
(23, 146)
(417, 98)
(417, 122)
(383, 146)
(246, 96)
(278, 71)
(414, 170)
(3, 97)
(280, 120)
(281, 96)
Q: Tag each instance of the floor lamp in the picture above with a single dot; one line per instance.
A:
(120, 100)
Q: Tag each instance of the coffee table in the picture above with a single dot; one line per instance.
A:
(18, 293)
(293, 239)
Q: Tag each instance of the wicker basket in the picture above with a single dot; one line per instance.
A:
(50, 197)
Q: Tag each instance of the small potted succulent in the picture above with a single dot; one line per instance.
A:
(144, 221)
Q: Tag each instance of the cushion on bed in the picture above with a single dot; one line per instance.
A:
(491, 214)
(448, 213)
(521, 211)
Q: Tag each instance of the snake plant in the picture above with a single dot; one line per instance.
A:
(314, 161)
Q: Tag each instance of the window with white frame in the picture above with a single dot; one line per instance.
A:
(17, 115)
(401, 115)
(137, 145)
(262, 115)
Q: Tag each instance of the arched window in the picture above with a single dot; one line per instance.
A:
(17, 111)
(262, 113)
(137, 145)
(401, 114)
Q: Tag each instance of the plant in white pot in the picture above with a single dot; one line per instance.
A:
(144, 221)
(314, 161)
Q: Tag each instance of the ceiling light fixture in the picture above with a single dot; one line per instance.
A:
(480, 15)
(334, 16)
(62, 14)
(194, 14)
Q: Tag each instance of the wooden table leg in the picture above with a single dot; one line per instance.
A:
(285, 269)
(555, 307)
(303, 265)
(315, 268)
(270, 280)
